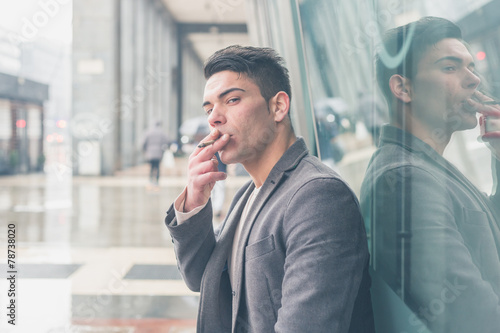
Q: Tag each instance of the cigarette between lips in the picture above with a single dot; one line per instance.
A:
(206, 143)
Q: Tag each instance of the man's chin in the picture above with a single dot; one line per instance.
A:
(472, 120)
(468, 123)
(463, 120)
(225, 157)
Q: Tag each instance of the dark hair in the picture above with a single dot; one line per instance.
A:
(261, 64)
(424, 33)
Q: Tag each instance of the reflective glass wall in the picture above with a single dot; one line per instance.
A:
(417, 160)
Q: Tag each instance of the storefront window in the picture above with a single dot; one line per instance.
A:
(403, 131)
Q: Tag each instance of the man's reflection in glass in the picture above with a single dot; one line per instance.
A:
(435, 236)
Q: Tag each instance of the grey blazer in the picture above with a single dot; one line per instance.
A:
(302, 261)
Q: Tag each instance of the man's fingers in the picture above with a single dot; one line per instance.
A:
(485, 99)
(206, 143)
(204, 183)
(216, 145)
(211, 178)
(201, 174)
(208, 152)
(213, 136)
(203, 167)
(203, 171)
(483, 104)
(199, 189)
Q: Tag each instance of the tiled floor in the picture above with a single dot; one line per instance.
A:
(93, 255)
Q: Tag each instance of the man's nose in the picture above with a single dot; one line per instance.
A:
(472, 80)
(217, 116)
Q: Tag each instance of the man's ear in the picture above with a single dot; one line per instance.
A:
(279, 105)
(400, 87)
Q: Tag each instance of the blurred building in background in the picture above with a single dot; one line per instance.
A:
(136, 62)
(35, 101)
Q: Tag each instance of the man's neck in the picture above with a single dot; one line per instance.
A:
(259, 170)
(437, 138)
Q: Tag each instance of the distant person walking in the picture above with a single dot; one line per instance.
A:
(155, 144)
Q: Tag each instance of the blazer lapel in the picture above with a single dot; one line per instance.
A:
(218, 261)
(264, 194)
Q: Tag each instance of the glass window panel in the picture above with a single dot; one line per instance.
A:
(427, 198)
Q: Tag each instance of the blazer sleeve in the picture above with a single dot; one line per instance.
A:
(194, 241)
(326, 253)
(445, 286)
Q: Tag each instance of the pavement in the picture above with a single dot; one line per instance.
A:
(92, 254)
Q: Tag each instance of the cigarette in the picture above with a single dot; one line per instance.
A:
(206, 143)
(491, 102)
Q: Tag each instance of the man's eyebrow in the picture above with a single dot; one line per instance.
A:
(224, 93)
(455, 59)
(452, 58)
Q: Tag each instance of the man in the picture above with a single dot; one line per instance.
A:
(291, 255)
(154, 145)
(435, 236)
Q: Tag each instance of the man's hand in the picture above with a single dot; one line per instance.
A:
(203, 172)
(489, 122)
